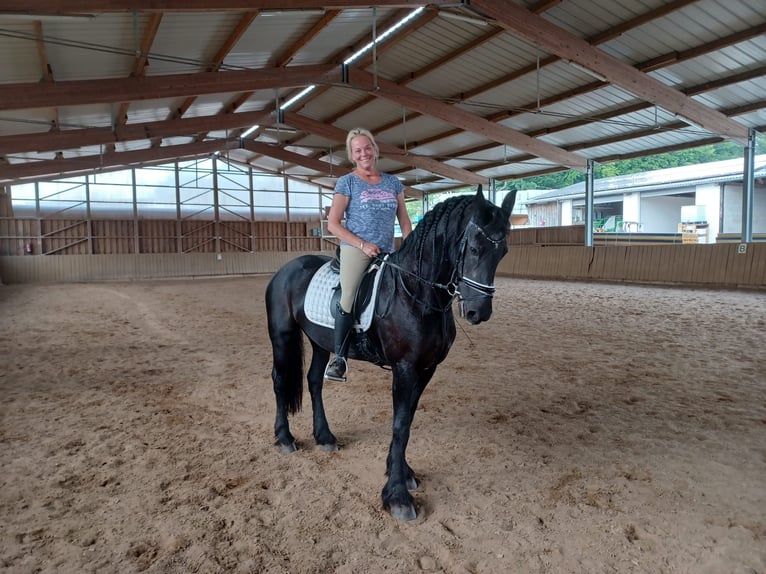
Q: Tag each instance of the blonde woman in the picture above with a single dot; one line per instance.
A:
(370, 201)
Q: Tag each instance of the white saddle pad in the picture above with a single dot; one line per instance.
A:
(319, 297)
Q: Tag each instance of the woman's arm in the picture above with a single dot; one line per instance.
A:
(403, 216)
(336, 228)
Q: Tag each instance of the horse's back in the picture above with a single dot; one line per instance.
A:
(296, 272)
(291, 281)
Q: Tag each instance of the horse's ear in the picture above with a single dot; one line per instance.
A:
(479, 194)
(508, 202)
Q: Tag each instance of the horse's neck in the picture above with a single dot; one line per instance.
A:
(433, 261)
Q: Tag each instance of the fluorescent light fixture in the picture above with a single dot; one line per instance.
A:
(356, 55)
(249, 131)
(692, 123)
(585, 70)
(303, 93)
(462, 18)
(46, 17)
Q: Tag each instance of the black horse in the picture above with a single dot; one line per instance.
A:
(452, 253)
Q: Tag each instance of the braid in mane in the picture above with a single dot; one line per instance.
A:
(443, 221)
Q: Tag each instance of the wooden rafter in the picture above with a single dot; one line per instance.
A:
(139, 67)
(464, 119)
(573, 48)
(68, 139)
(327, 131)
(80, 92)
(125, 159)
(45, 66)
(551, 59)
(48, 7)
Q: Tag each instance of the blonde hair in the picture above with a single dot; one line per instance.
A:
(356, 132)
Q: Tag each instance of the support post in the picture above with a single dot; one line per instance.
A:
(589, 204)
(216, 210)
(134, 198)
(748, 177)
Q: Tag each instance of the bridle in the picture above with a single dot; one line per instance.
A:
(452, 287)
(483, 289)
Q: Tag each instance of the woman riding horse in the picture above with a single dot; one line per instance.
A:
(453, 253)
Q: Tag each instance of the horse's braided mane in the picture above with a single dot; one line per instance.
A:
(444, 220)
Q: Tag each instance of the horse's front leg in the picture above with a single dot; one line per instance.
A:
(322, 434)
(408, 386)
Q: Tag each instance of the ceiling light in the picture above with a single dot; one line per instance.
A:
(298, 96)
(585, 70)
(46, 17)
(249, 131)
(356, 55)
(692, 123)
(462, 18)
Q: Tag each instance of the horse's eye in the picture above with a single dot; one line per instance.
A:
(473, 250)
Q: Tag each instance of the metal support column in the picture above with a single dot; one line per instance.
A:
(288, 226)
(136, 230)
(251, 200)
(88, 216)
(589, 204)
(748, 188)
(179, 223)
(216, 210)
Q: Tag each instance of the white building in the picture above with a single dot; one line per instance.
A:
(709, 195)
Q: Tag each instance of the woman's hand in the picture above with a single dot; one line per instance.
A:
(370, 249)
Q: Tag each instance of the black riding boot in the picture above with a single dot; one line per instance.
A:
(337, 367)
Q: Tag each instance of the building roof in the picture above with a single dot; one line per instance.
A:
(673, 177)
(456, 93)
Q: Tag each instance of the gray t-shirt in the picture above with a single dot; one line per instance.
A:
(371, 210)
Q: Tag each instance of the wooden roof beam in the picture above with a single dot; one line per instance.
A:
(126, 159)
(463, 119)
(70, 139)
(48, 7)
(139, 67)
(81, 92)
(571, 47)
(393, 152)
(310, 163)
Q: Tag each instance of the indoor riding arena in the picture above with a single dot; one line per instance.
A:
(609, 417)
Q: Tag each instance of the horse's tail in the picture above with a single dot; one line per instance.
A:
(287, 372)
(287, 347)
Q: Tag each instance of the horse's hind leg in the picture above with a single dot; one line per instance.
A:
(322, 434)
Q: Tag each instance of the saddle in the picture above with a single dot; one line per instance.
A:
(323, 295)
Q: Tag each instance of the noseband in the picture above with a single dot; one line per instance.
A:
(483, 289)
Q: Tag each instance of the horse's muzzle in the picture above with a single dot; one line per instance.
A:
(475, 311)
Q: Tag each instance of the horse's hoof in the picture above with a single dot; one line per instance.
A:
(412, 484)
(404, 513)
(331, 447)
(287, 448)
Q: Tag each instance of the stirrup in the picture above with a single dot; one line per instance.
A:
(336, 369)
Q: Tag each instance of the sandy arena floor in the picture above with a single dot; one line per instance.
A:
(587, 428)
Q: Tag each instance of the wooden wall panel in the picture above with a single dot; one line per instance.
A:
(198, 236)
(541, 252)
(65, 237)
(568, 235)
(113, 236)
(718, 265)
(158, 236)
(17, 234)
